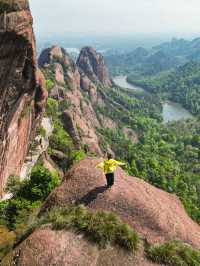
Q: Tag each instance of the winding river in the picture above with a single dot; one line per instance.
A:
(171, 111)
(122, 82)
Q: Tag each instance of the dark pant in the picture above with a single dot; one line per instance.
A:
(110, 179)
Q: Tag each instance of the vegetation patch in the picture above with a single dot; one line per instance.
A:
(27, 196)
(64, 105)
(174, 253)
(100, 227)
(5, 7)
(41, 131)
(7, 239)
(52, 108)
(60, 140)
(49, 84)
(20, 212)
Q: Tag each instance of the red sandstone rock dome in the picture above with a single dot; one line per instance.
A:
(155, 214)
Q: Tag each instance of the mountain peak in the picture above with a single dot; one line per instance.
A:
(93, 65)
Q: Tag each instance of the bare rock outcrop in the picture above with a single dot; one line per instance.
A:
(59, 73)
(93, 65)
(155, 214)
(22, 93)
(63, 248)
(47, 56)
(77, 95)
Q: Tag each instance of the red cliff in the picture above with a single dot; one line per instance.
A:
(22, 92)
(93, 65)
(80, 95)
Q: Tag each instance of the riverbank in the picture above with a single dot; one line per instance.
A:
(172, 111)
(121, 81)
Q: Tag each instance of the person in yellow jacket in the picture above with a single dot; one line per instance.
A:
(109, 166)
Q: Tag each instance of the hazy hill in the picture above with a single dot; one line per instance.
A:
(161, 57)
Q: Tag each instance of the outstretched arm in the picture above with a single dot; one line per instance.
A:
(100, 165)
(119, 163)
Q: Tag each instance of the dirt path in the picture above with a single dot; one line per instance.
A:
(31, 160)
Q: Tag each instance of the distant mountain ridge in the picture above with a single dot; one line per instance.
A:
(162, 57)
(179, 46)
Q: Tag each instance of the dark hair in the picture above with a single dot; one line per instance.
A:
(109, 155)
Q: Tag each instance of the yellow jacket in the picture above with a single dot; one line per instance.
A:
(109, 166)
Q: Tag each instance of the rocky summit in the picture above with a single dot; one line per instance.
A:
(93, 65)
(148, 210)
(82, 93)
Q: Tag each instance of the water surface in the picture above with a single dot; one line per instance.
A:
(171, 111)
(122, 82)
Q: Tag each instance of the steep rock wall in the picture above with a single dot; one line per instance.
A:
(22, 92)
(80, 95)
(93, 65)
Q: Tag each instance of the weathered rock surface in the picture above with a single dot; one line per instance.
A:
(155, 214)
(47, 56)
(22, 93)
(78, 94)
(51, 165)
(93, 65)
(59, 74)
(65, 248)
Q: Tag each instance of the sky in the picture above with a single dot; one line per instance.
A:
(117, 16)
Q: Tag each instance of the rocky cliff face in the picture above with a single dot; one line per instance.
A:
(22, 94)
(48, 55)
(77, 94)
(93, 65)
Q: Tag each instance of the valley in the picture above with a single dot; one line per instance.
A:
(171, 111)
